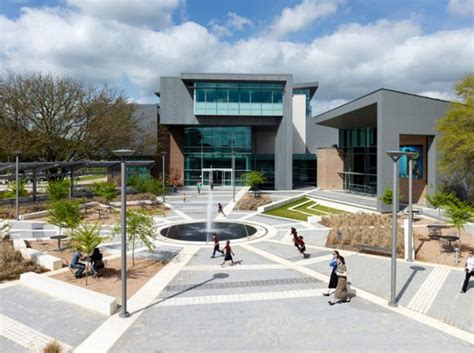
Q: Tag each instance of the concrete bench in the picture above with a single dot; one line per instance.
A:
(19, 244)
(88, 299)
(42, 259)
(374, 249)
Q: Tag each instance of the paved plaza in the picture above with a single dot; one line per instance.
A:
(271, 301)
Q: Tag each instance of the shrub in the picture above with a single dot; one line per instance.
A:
(104, 189)
(11, 192)
(253, 179)
(145, 184)
(387, 196)
(12, 264)
(247, 203)
(52, 347)
(58, 190)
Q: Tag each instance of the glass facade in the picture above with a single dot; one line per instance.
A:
(304, 170)
(306, 92)
(206, 147)
(238, 98)
(359, 148)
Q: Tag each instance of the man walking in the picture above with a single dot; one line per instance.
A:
(215, 239)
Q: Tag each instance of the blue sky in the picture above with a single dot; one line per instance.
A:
(350, 46)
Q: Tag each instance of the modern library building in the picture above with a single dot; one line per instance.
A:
(263, 122)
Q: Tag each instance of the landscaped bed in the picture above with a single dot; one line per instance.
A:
(249, 202)
(109, 282)
(302, 208)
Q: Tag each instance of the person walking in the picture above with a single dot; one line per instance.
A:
(333, 279)
(469, 269)
(302, 246)
(198, 186)
(341, 289)
(215, 239)
(228, 253)
(294, 233)
(220, 209)
(184, 197)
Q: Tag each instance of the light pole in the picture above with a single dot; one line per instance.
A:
(17, 185)
(163, 155)
(395, 155)
(411, 157)
(233, 172)
(123, 226)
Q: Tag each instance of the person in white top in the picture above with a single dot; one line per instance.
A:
(469, 270)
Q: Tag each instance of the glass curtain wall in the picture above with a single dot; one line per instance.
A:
(206, 147)
(359, 147)
(238, 98)
(304, 170)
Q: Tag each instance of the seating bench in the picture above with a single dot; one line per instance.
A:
(374, 249)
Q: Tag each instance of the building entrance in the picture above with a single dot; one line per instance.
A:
(220, 176)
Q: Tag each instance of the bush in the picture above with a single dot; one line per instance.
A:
(58, 190)
(11, 192)
(104, 189)
(12, 264)
(145, 184)
(248, 203)
(52, 347)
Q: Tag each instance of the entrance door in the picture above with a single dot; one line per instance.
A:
(220, 177)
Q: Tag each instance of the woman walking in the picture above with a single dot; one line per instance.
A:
(302, 246)
(294, 233)
(341, 289)
(228, 253)
(333, 279)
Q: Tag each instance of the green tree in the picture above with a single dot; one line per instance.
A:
(65, 214)
(459, 214)
(11, 192)
(58, 190)
(439, 199)
(387, 196)
(86, 237)
(457, 135)
(60, 118)
(105, 190)
(254, 179)
(141, 227)
(146, 183)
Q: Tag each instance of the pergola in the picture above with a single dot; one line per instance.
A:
(35, 170)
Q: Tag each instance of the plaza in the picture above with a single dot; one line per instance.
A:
(270, 301)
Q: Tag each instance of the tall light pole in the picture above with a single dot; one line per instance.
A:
(411, 157)
(233, 172)
(163, 155)
(123, 225)
(17, 185)
(395, 155)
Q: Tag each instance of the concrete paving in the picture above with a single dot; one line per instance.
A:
(271, 301)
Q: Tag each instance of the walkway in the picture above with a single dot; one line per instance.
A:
(271, 301)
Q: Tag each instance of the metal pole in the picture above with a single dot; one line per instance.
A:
(233, 177)
(394, 233)
(123, 224)
(17, 206)
(410, 209)
(163, 175)
(71, 175)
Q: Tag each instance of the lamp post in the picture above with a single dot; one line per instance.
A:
(411, 157)
(17, 185)
(163, 155)
(233, 172)
(395, 155)
(123, 226)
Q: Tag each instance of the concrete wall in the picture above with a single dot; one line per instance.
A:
(299, 123)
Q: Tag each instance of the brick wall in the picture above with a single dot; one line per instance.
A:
(330, 164)
(419, 185)
(176, 155)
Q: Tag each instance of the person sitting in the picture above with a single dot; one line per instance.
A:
(97, 263)
(76, 264)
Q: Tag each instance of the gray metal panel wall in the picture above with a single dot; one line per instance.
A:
(176, 103)
(398, 114)
(318, 136)
(284, 143)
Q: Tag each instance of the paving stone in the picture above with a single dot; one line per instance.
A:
(203, 257)
(288, 251)
(11, 347)
(69, 323)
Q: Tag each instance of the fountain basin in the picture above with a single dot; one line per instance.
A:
(197, 231)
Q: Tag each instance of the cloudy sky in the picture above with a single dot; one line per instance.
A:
(351, 47)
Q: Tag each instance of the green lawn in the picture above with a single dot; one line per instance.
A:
(91, 177)
(304, 210)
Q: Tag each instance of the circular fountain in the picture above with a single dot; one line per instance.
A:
(201, 232)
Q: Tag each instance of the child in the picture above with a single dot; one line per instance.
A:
(215, 239)
(294, 233)
(228, 253)
(220, 209)
(302, 246)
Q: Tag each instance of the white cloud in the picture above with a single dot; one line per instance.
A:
(461, 7)
(294, 19)
(152, 13)
(353, 60)
(232, 24)
(321, 106)
(447, 96)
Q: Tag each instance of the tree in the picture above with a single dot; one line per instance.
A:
(439, 199)
(459, 214)
(65, 214)
(59, 118)
(105, 190)
(58, 190)
(86, 237)
(253, 179)
(456, 137)
(387, 196)
(140, 226)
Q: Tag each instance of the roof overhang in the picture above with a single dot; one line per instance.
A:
(313, 87)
